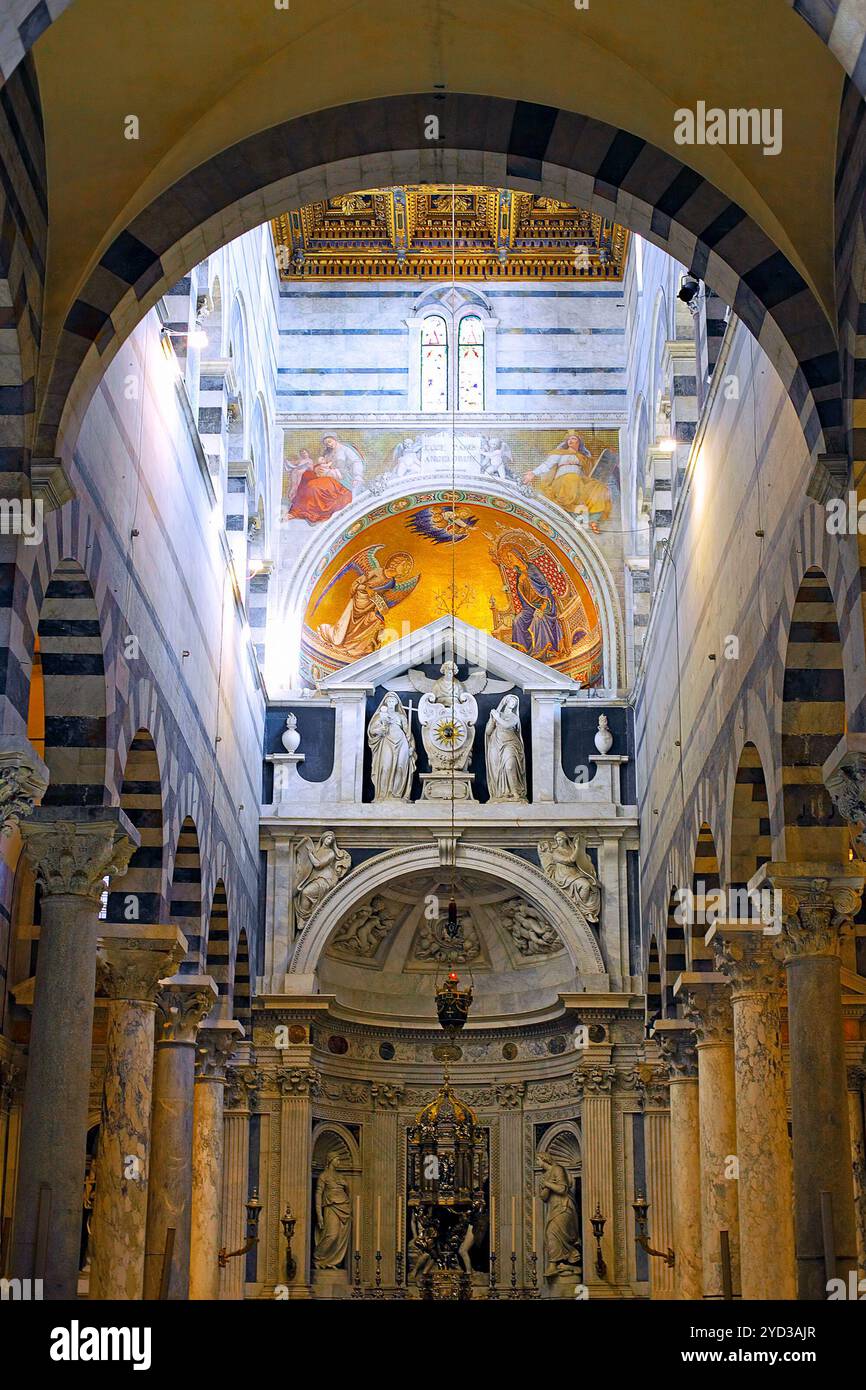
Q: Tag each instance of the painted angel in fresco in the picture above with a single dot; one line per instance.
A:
(442, 524)
(535, 585)
(495, 456)
(378, 587)
(407, 457)
(574, 480)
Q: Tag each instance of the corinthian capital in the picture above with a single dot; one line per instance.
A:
(181, 1004)
(845, 780)
(132, 960)
(653, 1083)
(707, 1007)
(23, 779)
(749, 960)
(74, 848)
(676, 1039)
(819, 903)
(214, 1046)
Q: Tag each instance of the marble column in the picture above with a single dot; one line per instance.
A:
(71, 849)
(131, 962)
(243, 1085)
(597, 1190)
(181, 1004)
(11, 1084)
(709, 1010)
(819, 902)
(748, 960)
(857, 1123)
(384, 1152)
(677, 1041)
(298, 1085)
(655, 1088)
(214, 1046)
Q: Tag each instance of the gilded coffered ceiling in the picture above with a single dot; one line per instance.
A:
(437, 231)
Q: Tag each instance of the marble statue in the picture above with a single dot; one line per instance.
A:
(333, 1216)
(290, 736)
(393, 751)
(503, 752)
(320, 868)
(362, 932)
(530, 933)
(567, 864)
(561, 1227)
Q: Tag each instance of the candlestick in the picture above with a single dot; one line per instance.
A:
(493, 1225)
(534, 1246)
(513, 1224)
(378, 1223)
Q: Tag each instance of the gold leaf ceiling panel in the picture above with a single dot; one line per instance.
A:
(436, 232)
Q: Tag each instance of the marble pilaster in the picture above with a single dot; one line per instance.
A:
(709, 1010)
(819, 902)
(298, 1084)
(71, 850)
(131, 962)
(597, 1182)
(748, 959)
(181, 1004)
(214, 1046)
(243, 1085)
(655, 1088)
(857, 1123)
(677, 1041)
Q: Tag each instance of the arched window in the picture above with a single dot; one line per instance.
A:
(470, 364)
(434, 364)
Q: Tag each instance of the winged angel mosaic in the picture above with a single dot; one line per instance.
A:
(379, 585)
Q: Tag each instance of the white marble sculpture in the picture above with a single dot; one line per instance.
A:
(530, 933)
(290, 737)
(333, 1216)
(393, 751)
(503, 752)
(603, 737)
(447, 712)
(567, 864)
(364, 929)
(320, 868)
(561, 1228)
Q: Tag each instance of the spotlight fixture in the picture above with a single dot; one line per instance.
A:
(689, 288)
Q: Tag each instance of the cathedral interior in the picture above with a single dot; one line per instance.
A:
(433, 680)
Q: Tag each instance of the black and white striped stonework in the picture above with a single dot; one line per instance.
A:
(675, 959)
(813, 721)
(218, 945)
(186, 896)
(653, 986)
(705, 880)
(138, 897)
(242, 989)
(73, 672)
(21, 24)
(540, 146)
(751, 834)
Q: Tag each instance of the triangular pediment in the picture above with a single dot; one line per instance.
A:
(448, 639)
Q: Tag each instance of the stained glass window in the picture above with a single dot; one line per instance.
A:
(434, 364)
(470, 364)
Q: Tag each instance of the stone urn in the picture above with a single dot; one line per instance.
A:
(291, 737)
(604, 737)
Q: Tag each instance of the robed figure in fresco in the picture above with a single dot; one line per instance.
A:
(333, 1216)
(319, 493)
(377, 588)
(571, 478)
(535, 626)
